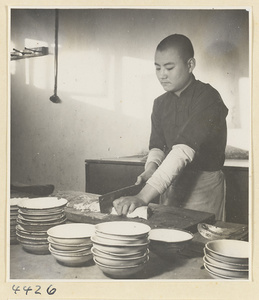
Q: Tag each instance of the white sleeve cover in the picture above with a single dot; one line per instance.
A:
(155, 155)
(173, 164)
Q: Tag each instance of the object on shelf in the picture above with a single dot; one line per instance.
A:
(29, 52)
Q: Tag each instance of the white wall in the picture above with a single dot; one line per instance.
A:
(107, 84)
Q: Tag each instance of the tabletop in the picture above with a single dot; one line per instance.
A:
(26, 266)
(185, 266)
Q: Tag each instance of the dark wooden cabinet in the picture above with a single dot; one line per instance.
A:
(237, 193)
(106, 175)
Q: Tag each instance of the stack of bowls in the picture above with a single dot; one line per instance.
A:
(71, 244)
(227, 259)
(35, 217)
(13, 219)
(120, 248)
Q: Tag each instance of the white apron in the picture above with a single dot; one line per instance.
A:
(198, 190)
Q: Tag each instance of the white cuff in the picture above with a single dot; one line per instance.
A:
(155, 155)
(173, 164)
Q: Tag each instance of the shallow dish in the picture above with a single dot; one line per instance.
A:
(167, 242)
(64, 247)
(31, 238)
(15, 201)
(169, 235)
(45, 217)
(79, 252)
(23, 231)
(124, 238)
(126, 249)
(217, 276)
(76, 233)
(39, 227)
(41, 212)
(72, 261)
(118, 242)
(232, 251)
(116, 261)
(123, 228)
(223, 264)
(35, 248)
(39, 220)
(119, 255)
(236, 273)
(44, 203)
(120, 272)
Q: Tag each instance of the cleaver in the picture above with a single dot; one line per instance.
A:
(106, 200)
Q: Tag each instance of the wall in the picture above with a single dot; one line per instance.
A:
(107, 84)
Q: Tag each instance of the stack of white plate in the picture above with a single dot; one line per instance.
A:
(71, 244)
(227, 259)
(13, 219)
(120, 248)
(36, 216)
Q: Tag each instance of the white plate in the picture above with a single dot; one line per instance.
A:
(42, 203)
(169, 235)
(41, 220)
(123, 228)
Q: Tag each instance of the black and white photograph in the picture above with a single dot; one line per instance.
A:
(129, 145)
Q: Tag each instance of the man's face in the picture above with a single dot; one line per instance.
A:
(171, 70)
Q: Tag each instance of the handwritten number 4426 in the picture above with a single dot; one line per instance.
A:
(37, 291)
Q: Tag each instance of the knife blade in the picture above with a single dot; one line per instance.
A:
(106, 200)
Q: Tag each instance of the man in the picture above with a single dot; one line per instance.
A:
(188, 138)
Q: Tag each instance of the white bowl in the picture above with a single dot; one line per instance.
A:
(170, 235)
(118, 242)
(15, 201)
(236, 273)
(39, 220)
(67, 247)
(231, 251)
(217, 276)
(39, 226)
(72, 261)
(166, 242)
(120, 255)
(31, 238)
(119, 261)
(41, 212)
(123, 228)
(74, 233)
(223, 264)
(44, 203)
(124, 238)
(35, 248)
(125, 249)
(122, 271)
(25, 232)
(77, 252)
(42, 217)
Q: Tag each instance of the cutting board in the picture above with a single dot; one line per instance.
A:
(160, 216)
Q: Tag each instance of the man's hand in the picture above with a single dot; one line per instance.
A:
(126, 205)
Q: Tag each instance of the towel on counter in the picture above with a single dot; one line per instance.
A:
(139, 212)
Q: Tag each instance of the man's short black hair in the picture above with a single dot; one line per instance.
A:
(180, 42)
